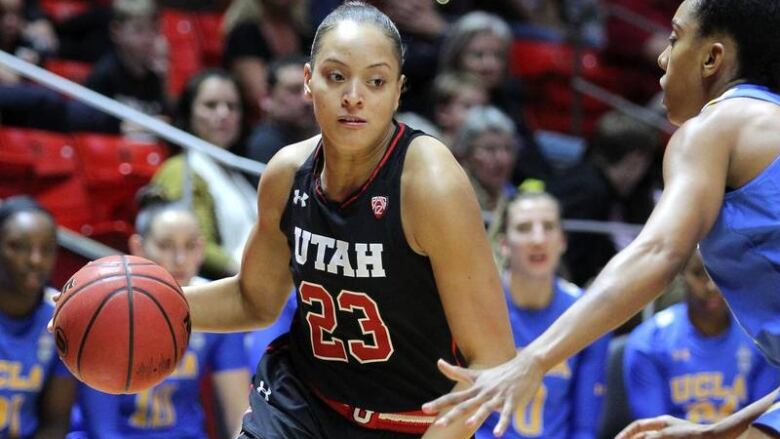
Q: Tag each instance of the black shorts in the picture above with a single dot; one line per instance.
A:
(282, 407)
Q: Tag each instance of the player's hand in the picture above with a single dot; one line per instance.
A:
(503, 388)
(54, 297)
(666, 427)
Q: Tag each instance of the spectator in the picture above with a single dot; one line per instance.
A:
(617, 182)
(486, 148)
(289, 117)
(568, 403)
(168, 233)
(692, 360)
(454, 94)
(127, 73)
(222, 199)
(36, 392)
(258, 32)
(478, 43)
(25, 33)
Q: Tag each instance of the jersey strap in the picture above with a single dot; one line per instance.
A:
(746, 91)
(415, 422)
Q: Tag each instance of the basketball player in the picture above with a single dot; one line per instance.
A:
(377, 227)
(721, 85)
(168, 233)
(36, 390)
(568, 404)
(692, 361)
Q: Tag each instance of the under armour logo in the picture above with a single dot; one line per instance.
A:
(302, 198)
(266, 392)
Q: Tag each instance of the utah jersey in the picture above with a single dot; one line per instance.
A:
(568, 403)
(170, 409)
(671, 368)
(369, 325)
(28, 359)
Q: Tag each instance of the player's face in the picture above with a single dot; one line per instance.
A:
(28, 246)
(354, 84)
(216, 112)
(485, 56)
(682, 82)
(534, 238)
(491, 160)
(704, 297)
(175, 243)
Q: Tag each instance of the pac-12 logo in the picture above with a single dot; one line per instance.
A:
(379, 206)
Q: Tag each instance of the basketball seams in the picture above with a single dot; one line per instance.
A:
(167, 322)
(70, 295)
(131, 322)
(92, 320)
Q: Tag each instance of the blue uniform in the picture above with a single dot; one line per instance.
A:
(568, 404)
(671, 368)
(28, 359)
(170, 409)
(742, 250)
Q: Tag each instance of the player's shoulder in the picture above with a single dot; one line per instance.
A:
(277, 179)
(430, 166)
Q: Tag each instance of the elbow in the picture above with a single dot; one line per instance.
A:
(665, 253)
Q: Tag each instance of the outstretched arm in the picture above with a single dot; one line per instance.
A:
(442, 220)
(254, 297)
(695, 171)
(735, 426)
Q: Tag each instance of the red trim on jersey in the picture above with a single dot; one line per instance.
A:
(350, 200)
(415, 422)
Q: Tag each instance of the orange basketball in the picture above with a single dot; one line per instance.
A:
(122, 324)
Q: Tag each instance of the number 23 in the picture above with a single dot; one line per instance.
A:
(325, 322)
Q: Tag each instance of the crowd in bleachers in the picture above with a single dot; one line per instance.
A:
(495, 80)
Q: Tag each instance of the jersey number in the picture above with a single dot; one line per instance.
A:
(322, 325)
(154, 407)
(529, 420)
(10, 408)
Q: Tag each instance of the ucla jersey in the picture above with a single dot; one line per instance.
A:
(742, 250)
(568, 403)
(369, 325)
(28, 359)
(671, 368)
(171, 409)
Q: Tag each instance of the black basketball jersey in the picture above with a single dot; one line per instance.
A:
(369, 325)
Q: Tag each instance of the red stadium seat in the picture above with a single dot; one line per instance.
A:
(76, 71)
(209, 27)
(44, 165)
(186, 54)
(60, 10)
(114, 168)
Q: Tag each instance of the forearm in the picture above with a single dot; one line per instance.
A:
(220, 306)
(455, 430)
(632, 278)
(738, 424)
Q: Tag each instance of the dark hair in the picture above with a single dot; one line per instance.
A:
(183, 117)
(618, 135)
(190, 92)
(280, 63)
(17, 204)
(754, 26)
(359, 12)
